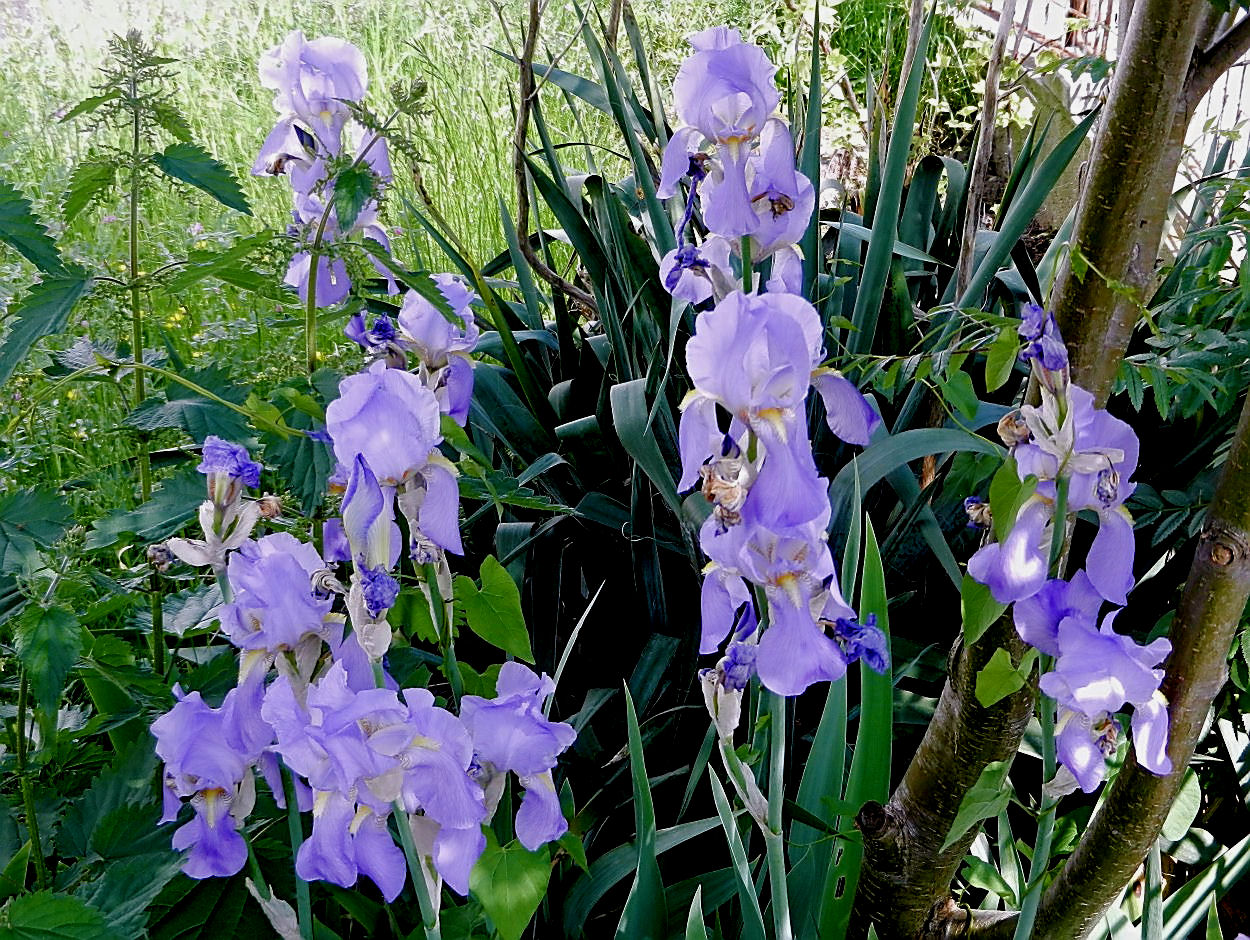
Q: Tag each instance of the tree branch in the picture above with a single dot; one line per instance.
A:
(904, 887)
(1118, 201)
(1132, 813)
(1215, 60)
(526, 98)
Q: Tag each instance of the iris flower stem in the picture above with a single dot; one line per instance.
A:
(262, 886)
(1045, 825)
(295, 822)
(773, 836)
(747, 278)
(429, 910)
(443, 625)
(28, 793)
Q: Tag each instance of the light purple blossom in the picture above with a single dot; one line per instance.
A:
(311, 82)
(1038, 616)
(223, 460)
(1016, 568)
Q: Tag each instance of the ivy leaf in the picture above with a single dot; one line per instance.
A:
(959, 392)
(44, 310)
(169, 508)
(21, 230)
(1007, 494)
(47, 916)
(1001, 359)
(978, 608)
(988, 797)
(47, 643)
(88, 181)
(193, 164)
(352, 189)
(29, 520)
(999, 678)
(510, 882)
(494, 610)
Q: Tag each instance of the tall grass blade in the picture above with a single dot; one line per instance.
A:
(645, 916)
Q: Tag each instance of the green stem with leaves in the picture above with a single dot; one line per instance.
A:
(1045, 824)
(28, 793)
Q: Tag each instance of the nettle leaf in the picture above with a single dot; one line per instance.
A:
(161, 516)
(202, 264)
(47, 643)
(352, 189)
(192, 164)
(171, 121)
(29, 520)
(302, 462)
(494, 611)
(47, 916)
(87, 183)
(988, 797)
(123, 893)
(43, 311)
(510, 881)
(999, 678)
(977, 608)
(127, 781)
(192, 412)
(21, 230)
(87, 105)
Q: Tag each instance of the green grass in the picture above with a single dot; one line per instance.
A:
(465, 139)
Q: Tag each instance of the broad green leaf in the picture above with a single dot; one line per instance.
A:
(869, 777)
(43, 311)
(889, 199)
(175, 502)
(127, 886)
(629, 417)
(353, 187)
(1007, 494)
(171, 121)
(47, 643)
(645, 915)
(615, 865)
(958, 391)
(981, 874)
(999, 678)
(751, 913)
(47, 916)
(978, 609)
(694, 920)
(1001, 359)
(510, 882)
(29, 520)
(988, 797)
(193, 413)
(22, 231)
(494, 610)
(192, 164)
(88, 181)
(1184, 808)
(13, 877)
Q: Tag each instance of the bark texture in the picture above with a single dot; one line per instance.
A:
(1119, 203)
(904, 886)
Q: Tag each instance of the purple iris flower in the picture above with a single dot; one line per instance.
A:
(1016, 568)
(201, 763)
(1084, 746)
(1043, 343)
(864, 641)
(380, 589)
(739, 664)
(849, 415)
(311, 81)
(369, 519)
(274, 607)
(333, 283)
(1099, 672)
(1038, 617)
(349, 840)
(442, 345)
(387, 416)
(511, 733)
(232, 461)
(371, 338)
(786, 276)
(725, 91)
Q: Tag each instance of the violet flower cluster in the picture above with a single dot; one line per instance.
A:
(1083, 458)
(770, 585)
(315, 137)
(738, 154)
(313, 696)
